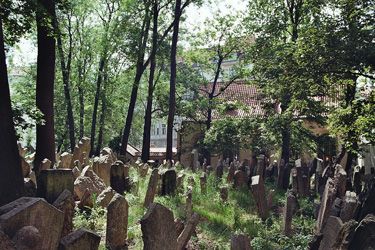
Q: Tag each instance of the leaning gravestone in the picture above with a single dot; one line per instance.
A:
(117, 223)
(65, 203)
(82, 146)
(36, 212)
(188, 231)
(259, 193)
(52, 182)
(152, 187)
(158, 228)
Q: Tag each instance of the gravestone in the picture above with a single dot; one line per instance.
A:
(82, 146)
(188, 231)
(193, 159)
(240, 179)
(81, 239)
(5, 242)
(52, 182)
(169, 182)
(203, 182)
(259, 193)
(179, 226)
(328, 198)
(88, 172)
(28, 238)
(65, 160)
(36, 212)
(144, 170)
(65, 203)
(180, 182)
(239, 242)
(349, 204)
(340, 179)
(330, 232)
(152, 188)
(288, 214)
(104, 169)
(219, 172)
(224, 194)
(117, 177)
(25, 167)
(158, 228)
(189, 204)
(82, 183)
(117, 223)
(232, 169)
(105, 197)
(261, 165)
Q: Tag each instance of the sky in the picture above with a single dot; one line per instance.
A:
(27, 52)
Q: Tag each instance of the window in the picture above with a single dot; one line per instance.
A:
(163, 129)
(153, 130)
(157, 131)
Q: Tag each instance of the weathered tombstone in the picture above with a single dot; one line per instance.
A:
(261, 165)
(99, 183)
(83, 146)
(300, 184)
(180, 182)
(315, 242)
(80, 239)
(239, 242)
(65, 160)
(240, 179)
(45, 164)
(117, 223)
(144, 171)
(30, 187)
(5, 242)
(36, 212)
(193, 159)
(345, 235)
(294, 181)
(52, 182)
(82, 183)
(340, 179)
(76, 172)
(203, 182)
(105, 197)
(259, 193)
(179, 226)
(232, 169)
(188, 231)
(329, 196)
(86, 201)
(158, 229)
(169, 182)
(117, 177)
(336, 207)
(330, 232)
(25, 167)
(363, 237)
(288, 213)
(349, 204)
(28, 238)
(219, 172)
(224, 194)
(189, 197)
(152, 187)
(367, 200)
(65, 203)
(77, 164)
(104, 169)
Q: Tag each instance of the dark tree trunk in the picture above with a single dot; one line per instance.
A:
(141, 66)
(45, 134)
(148, 113)
(285, 153)
(101, 128)
(96, 104)
(11, 179)
(81, 112)
(65, 69)
(172, 88)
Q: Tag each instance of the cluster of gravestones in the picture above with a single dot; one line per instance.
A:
(43, 221)
(345, 215)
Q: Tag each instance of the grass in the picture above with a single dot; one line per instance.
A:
(219, 218)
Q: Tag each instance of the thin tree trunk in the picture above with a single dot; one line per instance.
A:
(45, 134)
(96, 103)
(172, 88)
(148, 113)
(65, 69)
(81, 112)
(11, 179)
(285, 153)
(141, 66)
(101, 128)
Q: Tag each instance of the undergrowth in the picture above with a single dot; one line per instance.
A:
(218, 218)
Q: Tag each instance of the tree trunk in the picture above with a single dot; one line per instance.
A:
(148, 113)
(96, 103)
(45, 134)
(101, 128)
(285, 153)
(81, 112)
(141, 66)
(172, 88)
(11, 179)
(65, 69)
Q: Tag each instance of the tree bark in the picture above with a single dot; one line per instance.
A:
(172, 84)
(148, 113)
(285, 153)
(96, 104)
(45, 134)
(11, 179)
(81, 112)
(65, 70)
(101, 128)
